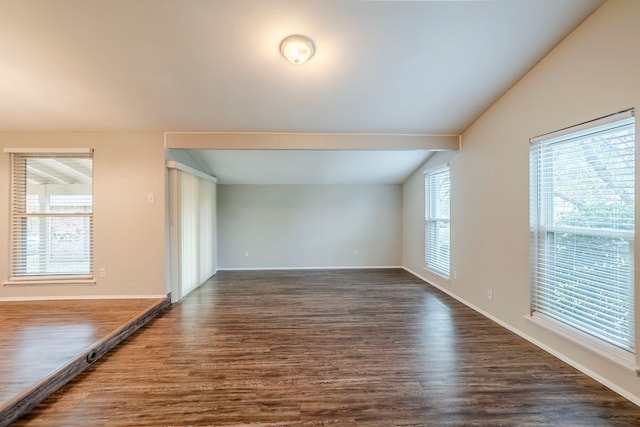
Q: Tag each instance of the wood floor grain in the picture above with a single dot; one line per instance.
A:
(44, 344)
(335, 348)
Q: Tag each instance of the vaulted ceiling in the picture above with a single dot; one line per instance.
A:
(381, 67)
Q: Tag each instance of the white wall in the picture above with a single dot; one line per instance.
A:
(286, 226)
(129, 232)
(593, 72)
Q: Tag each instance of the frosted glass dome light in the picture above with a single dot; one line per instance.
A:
(297, 49)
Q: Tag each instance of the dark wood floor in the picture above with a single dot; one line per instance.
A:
(43, 344)
(365, 347)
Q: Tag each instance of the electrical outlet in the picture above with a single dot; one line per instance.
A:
(455, 274)
(356, 252)
(246, 253)
(102, 272)
(489, 294)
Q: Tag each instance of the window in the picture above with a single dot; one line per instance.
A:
(582, 228)
(51, 216)
(437, 192)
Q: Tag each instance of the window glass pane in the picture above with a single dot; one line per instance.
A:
(58, 245)
(437, 246)
(593, 180)
(58, 185)
(580, 291)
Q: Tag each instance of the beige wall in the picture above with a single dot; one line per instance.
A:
(594, 72)
(309, 226)
(129, 232)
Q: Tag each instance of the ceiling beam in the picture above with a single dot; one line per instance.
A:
(308, 141)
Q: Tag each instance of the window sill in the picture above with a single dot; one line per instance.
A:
(51, 281)
(609, 352)
(437, 273)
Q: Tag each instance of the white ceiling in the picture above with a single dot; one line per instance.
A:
(313, 167)
(399, 67)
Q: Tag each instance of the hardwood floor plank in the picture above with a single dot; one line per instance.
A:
(47, 343)
(351, 347)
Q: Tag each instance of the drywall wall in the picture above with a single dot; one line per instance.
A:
(592, 73)
(129, 231)
(307, 226)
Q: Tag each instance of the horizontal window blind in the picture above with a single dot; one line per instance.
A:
(582, 228)
(51, 215)
(437, 232)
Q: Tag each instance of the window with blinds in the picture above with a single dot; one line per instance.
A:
(437, 192)
(51, 216)
(582, 227)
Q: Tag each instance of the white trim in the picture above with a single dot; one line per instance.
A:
(590, 232)
(309, 133)
(601, 121)
(604, 381)
(51, 278)
(345, 267)
(80, 297)
(620, 357)
(19, 282)
(440, 274)
(172, 164)
(310, 141)
(69, 150)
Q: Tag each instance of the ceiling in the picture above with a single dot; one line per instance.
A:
(313, 166)
(381, 67)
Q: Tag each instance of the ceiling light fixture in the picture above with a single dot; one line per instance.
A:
(297, 49)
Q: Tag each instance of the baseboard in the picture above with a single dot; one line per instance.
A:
(622, 392)
(342, 267)
(80, 297)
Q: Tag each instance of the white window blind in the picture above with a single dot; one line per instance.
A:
(437, 192)
(51, 216)
(582, 228)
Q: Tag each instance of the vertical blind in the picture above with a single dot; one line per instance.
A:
(437, 193)
(51, 215)
(582, 212)
(197, 228)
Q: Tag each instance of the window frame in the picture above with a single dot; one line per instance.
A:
(18, 212)
(542, 225)
(434, 261)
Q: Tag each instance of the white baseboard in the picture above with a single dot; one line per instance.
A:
(621, 391)
(342, 267)
(80, 297)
